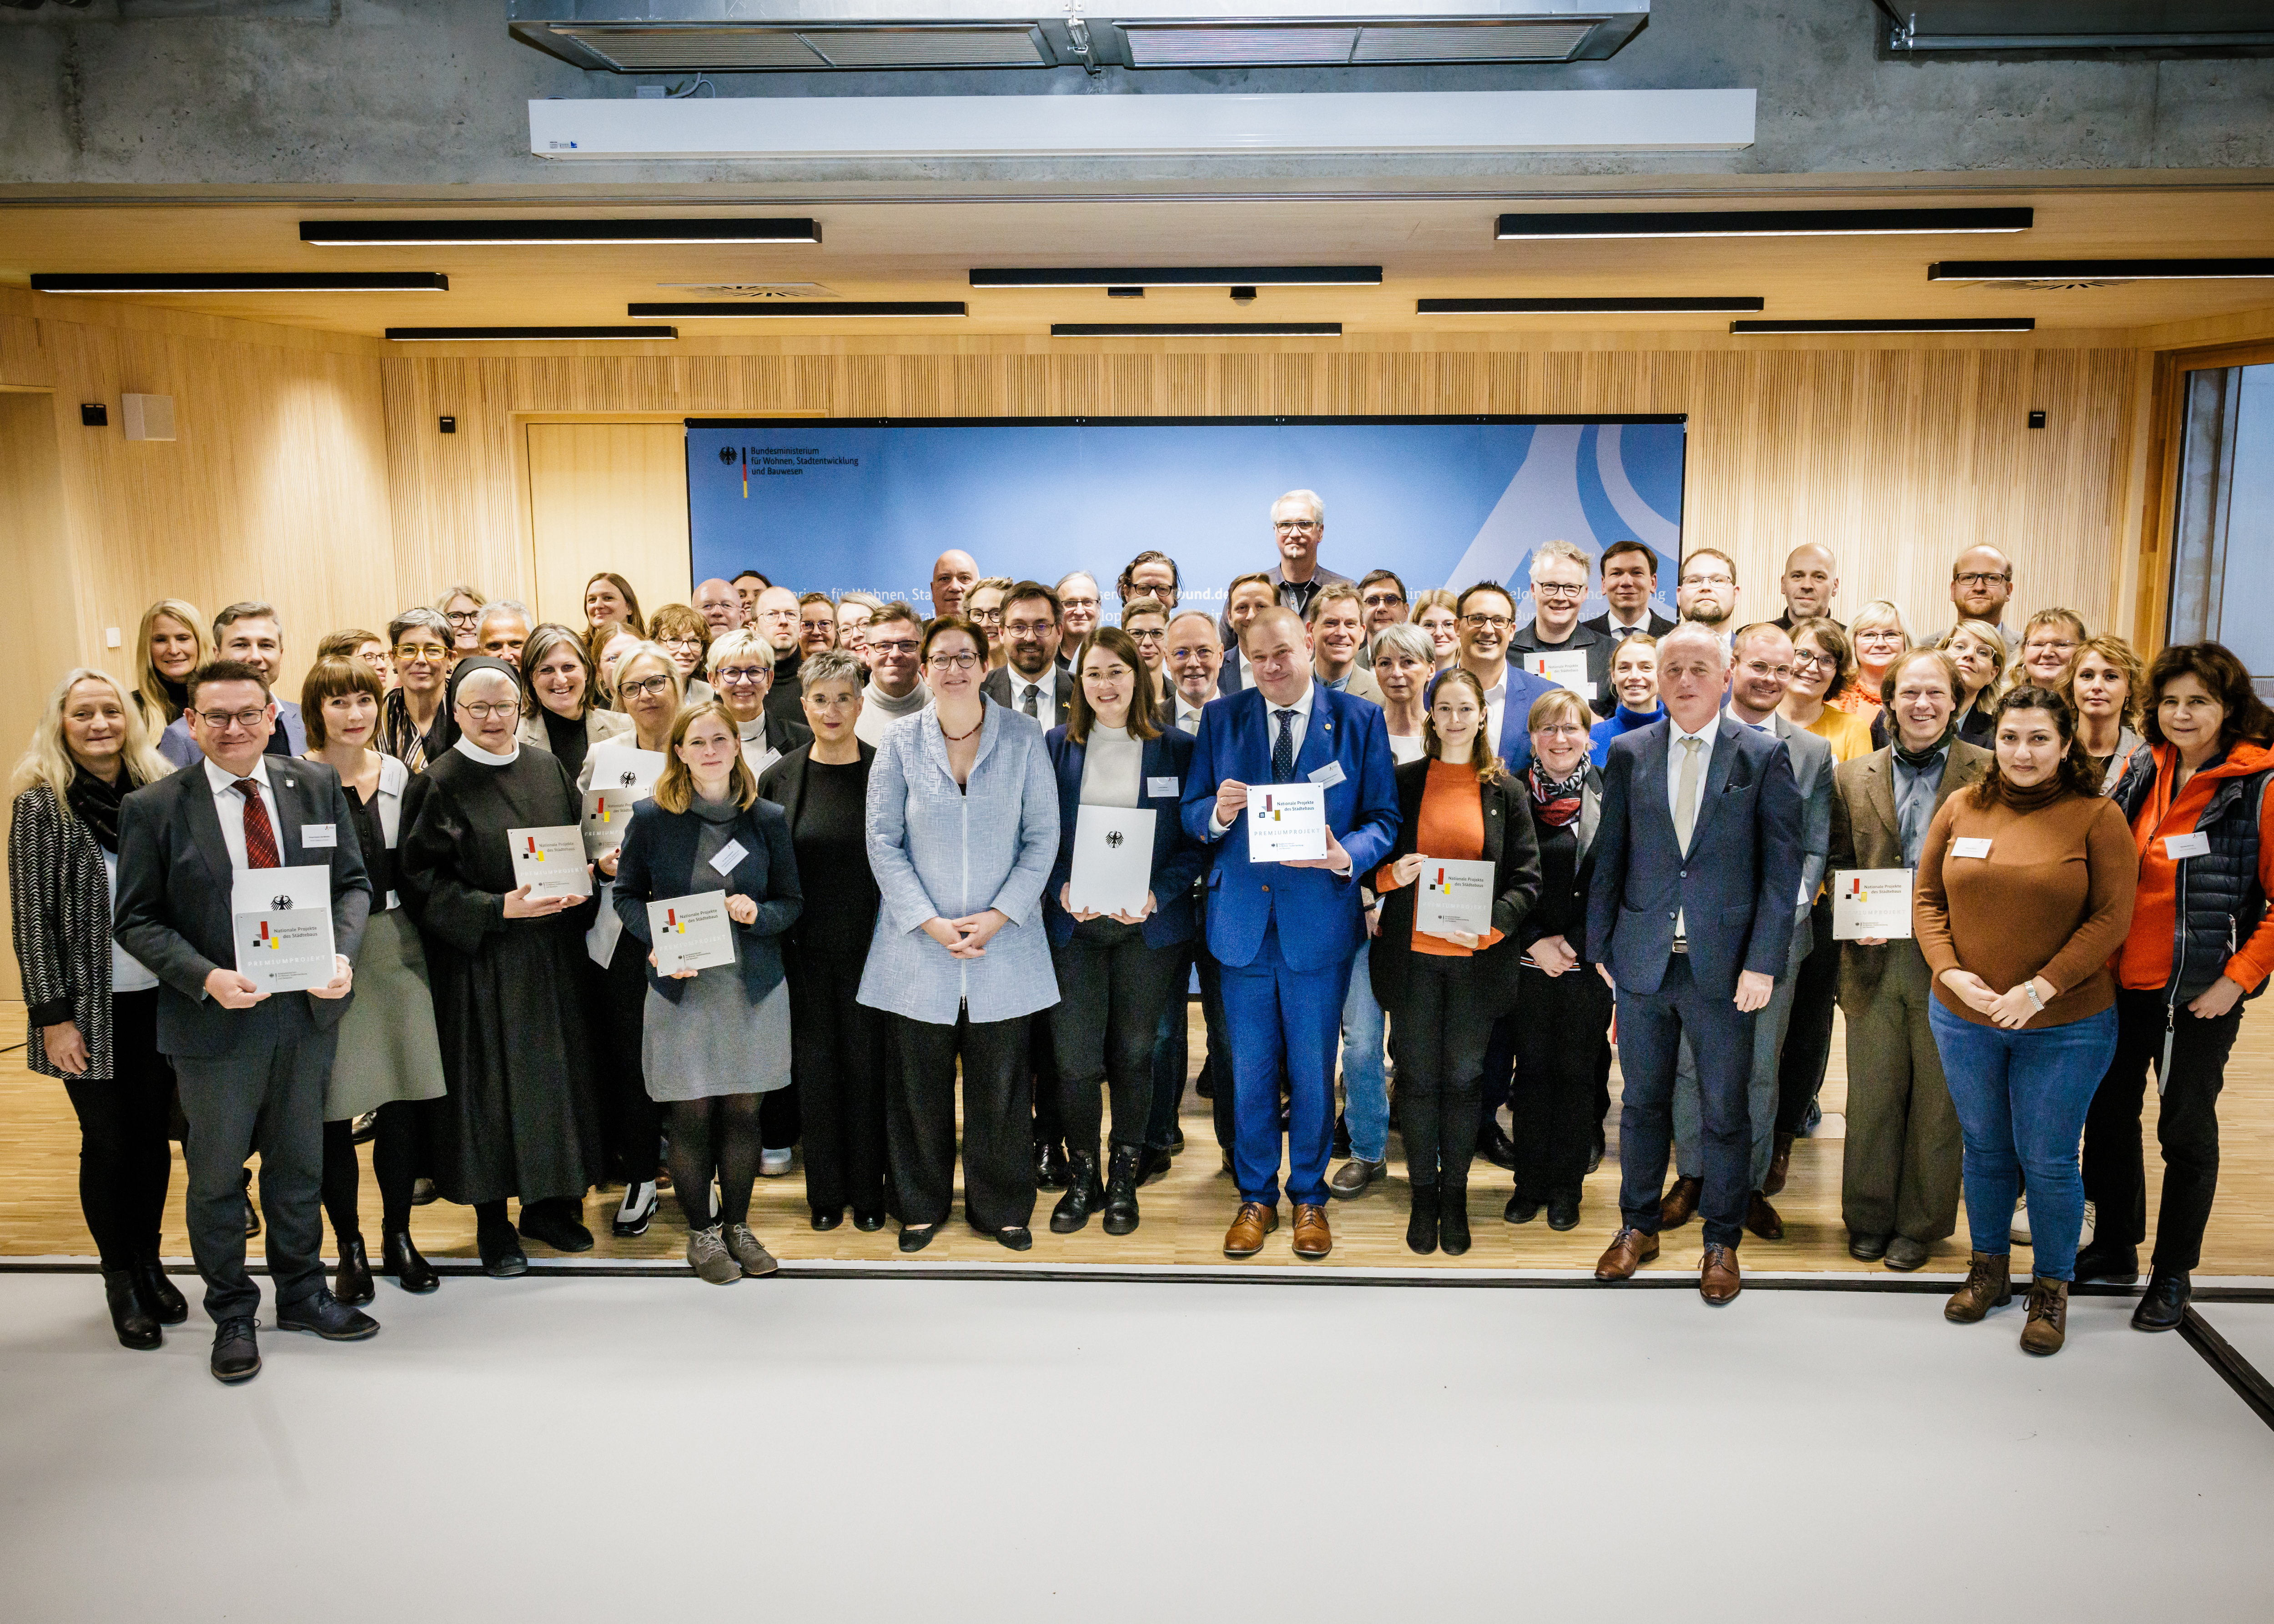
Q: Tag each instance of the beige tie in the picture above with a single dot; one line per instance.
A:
(1686, 794)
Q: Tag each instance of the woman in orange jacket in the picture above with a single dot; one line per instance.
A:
(2201, 942)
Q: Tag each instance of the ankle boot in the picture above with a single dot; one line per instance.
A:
(2047, 1326)
(1453, 1216)
(1988, 1286)
(167, 1305)
(352, 1285)
(1421, 1225)
(399, 1256)
(1121, 1188)
(1084, 1195)
(130, 1315)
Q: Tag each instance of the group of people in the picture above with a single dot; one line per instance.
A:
(885, 805)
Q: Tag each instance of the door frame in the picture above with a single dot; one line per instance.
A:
(2152, 607)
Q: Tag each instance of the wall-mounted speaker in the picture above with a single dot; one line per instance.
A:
(149, 417)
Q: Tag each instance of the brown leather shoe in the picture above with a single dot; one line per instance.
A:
(1244, 1238)
(1718, 1280)
(1762, 1219)
(1679, 1204)
(1988, 1285)
(1629, 1251)
(1312, 1237)
(1780, 1165)
(2047, 1326)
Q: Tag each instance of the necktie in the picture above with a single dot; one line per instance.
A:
(1027, 703)
(259, 833)
(1685, 793)
(1283, 753)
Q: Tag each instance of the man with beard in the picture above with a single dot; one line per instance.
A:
(1708, 593)
(1034, 683)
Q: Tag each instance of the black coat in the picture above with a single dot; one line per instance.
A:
(1510, 848)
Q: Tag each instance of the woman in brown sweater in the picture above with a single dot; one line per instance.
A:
(2023, 893)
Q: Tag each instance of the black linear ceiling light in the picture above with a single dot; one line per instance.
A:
(522, 232)
(1196, 329)
(1669, 306)
(1930, 324)
(1181, 276)
(508, 335)
(2098, 270)
(250, 282)
(815, 310)
(1766, 222)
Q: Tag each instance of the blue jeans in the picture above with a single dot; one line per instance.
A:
(1366, 1085)
(2021, 1098)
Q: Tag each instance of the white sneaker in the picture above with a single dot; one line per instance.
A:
(775, 1164)
(638, 1207)
(2019, 1234)
(2091, 1222)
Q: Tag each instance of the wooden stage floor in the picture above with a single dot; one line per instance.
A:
(1185, 1212)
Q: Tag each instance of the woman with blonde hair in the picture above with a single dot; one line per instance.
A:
(93, 1008)
(462, 607)
(1979, 650)
(2050, 640)
(2104, 684)
(170, 644)
(1438, 613)
(1878, 637)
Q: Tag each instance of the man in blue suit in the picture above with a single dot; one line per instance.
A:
(1285, 932)
(1698, 860)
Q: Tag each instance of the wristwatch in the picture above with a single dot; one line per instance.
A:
(2029, 987)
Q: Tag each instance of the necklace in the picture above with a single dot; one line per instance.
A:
(960, 738)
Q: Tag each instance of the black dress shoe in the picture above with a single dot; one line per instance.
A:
(1521, 1208)
(251, 1217)
(829, 1218)
(235, 1351)
(326, 1316)
(2164, 1304)
(400, 1260)
(1018, 1237)
(2108, 1263)
(1563, 1212)
(1049, 1165)
(502, 1258)
(554, 1223)
(1156, 1164)
(1867, 1248)
(352, 1285)
(1595, 1152)
(1176, 1140)
(168, 1306)
(917, 1240)
(130, 1316)
(1495, 1147)
(869, 1223)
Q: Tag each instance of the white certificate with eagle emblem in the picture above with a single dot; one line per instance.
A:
(622, 776)
(1113, 860)
(284, 926)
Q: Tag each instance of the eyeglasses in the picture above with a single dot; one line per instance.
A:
(1382, 600)
(1809, 657)
(1143, 638)
(644, 687)
(1295, 525)
(902, 646)
(1716, 579)
(1981, 578)
(953, 662)
(681, 643)
(1548, 589)
(2039, 645)
(420, 653)
(1561, 730)
(987, 617)
(740, 676)
(221, 721)
(483, 710)
(463, 617)
(1114, 673)
(1077, 603)
(1030, 629)
(1490, 622)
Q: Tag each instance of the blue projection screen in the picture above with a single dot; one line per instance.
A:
(833, 505)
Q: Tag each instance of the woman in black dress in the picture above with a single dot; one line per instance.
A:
(837, 1042)
(519, 1117)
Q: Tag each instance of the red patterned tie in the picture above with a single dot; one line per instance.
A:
(259, 833)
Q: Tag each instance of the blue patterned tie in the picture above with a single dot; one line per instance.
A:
(1283, 754)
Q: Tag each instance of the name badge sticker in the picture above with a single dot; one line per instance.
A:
(1328, 776)
(2179, 847)
(1970, 846)
(1161, 789)
(727, 855)
(313, 836)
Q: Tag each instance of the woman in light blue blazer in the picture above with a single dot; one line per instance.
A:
(963, 829)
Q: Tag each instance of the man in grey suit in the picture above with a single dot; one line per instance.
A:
(1757, 679)
(251, 1064)
(248, 631)
(1698, 860)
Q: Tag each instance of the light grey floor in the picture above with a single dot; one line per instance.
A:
(2250, 1329)
(577, 1449)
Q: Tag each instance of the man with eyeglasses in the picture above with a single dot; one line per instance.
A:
(1151, 573)
(896, 689)
(1080, 605)
(252, 1065)
(1032, 683)
(1981, 586)
(1299, 523)
(250, 632)
(1559, 587)
(1707, 593)
(1382, 596)
(1629, 574)
(778, 620)
(720, 605)
(1809, 583)
(1487, 621)
(816, 624)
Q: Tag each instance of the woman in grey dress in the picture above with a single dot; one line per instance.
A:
(713, 1041)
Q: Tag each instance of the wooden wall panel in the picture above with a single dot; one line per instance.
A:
(607, 496)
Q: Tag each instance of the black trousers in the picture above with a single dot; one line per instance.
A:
(124, 1160)
(1172, 1056)
(2187, 1128)
(999, 1153)
(1808, 1039)
(394, 1162)
(1111, 990)
(1438, 1035)
(632, 1123)
(838, 1060)
(1563, 1043)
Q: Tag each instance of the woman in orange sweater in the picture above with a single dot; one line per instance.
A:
(2200, 943)
(1458, 803)
(2023, 894)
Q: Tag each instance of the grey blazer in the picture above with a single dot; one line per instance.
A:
(599, 726)
(940, 850)
(1811, 775)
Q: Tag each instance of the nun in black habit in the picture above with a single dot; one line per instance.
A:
(519, 1118)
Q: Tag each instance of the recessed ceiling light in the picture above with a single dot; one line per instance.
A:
(250, 282)
(1181, 276)
(2098, 270)
(821, 309)
(506, 334)
(1766, 222)
(523, 233)
(1674, 304)
(1931, 324)
(1196, 329)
